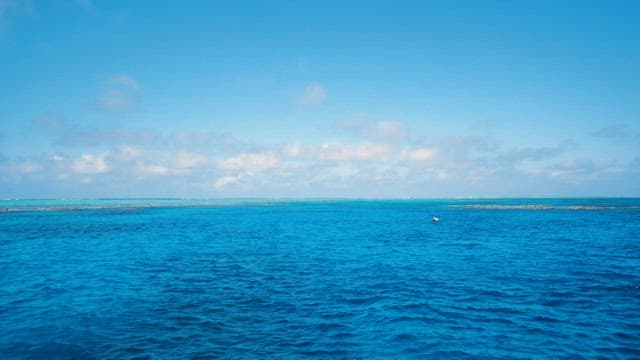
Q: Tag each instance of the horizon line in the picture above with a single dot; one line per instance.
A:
(324, 198)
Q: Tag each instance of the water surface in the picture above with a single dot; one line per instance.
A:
(495, 278)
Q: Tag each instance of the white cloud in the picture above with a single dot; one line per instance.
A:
(579, 170)
(187, 160)
(128, 153)
(293, 150)
(384, 131)
(199, 161)
(153, 163)
(314, 94)
(90, 164)
(391, 130)
(151, 170)
(71, 134)
(251, 162)
(225, 180)
(115, 100)
(419, 155)
(369, 152)
(363, 152)
(336, 151)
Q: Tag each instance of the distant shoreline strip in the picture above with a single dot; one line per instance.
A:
(541, 207)
(117, 208)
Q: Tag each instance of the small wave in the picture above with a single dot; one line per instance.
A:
(49, 350)
(533, 207)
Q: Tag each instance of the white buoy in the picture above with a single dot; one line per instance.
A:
(435, 219)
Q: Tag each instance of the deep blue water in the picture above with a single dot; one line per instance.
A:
(163, 279)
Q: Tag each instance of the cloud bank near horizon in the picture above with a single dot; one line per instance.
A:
(381, 159)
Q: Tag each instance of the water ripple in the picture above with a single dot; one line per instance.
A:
(354, 280)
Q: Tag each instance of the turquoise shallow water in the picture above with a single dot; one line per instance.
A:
(517, 278)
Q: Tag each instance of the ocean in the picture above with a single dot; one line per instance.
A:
(352, 279)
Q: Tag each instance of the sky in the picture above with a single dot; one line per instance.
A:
(358, 99)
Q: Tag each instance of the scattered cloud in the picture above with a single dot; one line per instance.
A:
(250, 163)
(419, 155)
(533, 153)
(224, 181)
(362, 152)
(620, 133)
(391, 130)
(29, 167)
(121, 94)
(577, 171)
(220, 164)
(146, 170)
(90, 164)
(613, 132)
(63, 133)
(125, 81)
(384, 131)
(117, 100)
(68, 134)
(128, 153)
(179, 164)
(483, 125)
(314, 94)
(293, 150)
(204, 139)
(187, 160)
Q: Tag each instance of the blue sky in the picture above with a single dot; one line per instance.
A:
(319, 99)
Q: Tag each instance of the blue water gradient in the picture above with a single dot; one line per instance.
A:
(156, 279)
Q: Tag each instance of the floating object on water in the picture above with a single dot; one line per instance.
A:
(435, 219)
